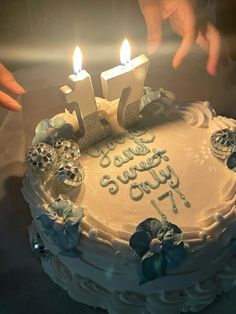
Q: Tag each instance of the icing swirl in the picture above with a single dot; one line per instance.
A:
(198, 114)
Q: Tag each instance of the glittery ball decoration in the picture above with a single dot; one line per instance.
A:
(37, 245)
(41, 157)
(222, 143)
(69, 174)
(67, 149)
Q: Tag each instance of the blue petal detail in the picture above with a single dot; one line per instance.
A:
(152, 226)
(153, 266)
(174, 256)
(172, 250)
(62, 224)
(140, 241)
(231, 162)
(48, 131)
(46, 221)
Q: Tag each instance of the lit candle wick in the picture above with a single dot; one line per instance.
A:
(125, 53)
(125, 82)
(77, 61)
(77, 74)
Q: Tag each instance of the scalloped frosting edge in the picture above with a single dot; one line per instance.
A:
(193, 298)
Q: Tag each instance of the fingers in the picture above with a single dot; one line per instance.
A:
(212, 43)
(189, 33)
(214, 54)
(183, 50)
(7, 80)
(8, 102)
(152, 16)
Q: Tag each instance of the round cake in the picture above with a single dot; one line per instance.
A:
(144, 220)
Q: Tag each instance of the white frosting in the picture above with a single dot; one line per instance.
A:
(219, 122)
(121, 203)
(105, 275)
(198, 114)
(193, 298)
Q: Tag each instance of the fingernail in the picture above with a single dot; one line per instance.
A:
(212, 70)
(20, 89)
(175, 64)
(16, 88)
(15, 106)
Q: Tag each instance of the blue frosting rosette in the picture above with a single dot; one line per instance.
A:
(50, 130)
(61, 223)
(159, 245)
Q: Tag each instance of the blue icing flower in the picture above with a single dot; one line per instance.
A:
(160, 247)
(62, 224)
(49, 131)
(231, 161)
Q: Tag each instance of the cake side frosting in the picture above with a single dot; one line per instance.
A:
(193, 298)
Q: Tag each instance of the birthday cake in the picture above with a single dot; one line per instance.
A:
(142, 221)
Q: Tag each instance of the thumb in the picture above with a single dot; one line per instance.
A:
(152, 16)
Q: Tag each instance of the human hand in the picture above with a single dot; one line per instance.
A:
(7, 80)
(185, 22)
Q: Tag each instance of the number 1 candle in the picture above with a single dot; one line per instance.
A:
(126, 82)
(79, 95)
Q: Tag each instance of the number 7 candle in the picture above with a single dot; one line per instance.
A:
(126, 82)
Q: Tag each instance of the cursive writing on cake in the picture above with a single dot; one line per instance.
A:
(139, 147)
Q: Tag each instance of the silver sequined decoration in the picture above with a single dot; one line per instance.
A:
(67, 149)
(69, 174)
(37, 245)
(222, 143)
(41, 157)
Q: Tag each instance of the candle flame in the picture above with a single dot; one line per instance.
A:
(77, 60)
(125, 52)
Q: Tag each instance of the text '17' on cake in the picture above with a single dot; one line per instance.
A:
(133, 196)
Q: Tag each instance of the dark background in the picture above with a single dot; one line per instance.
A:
(37, 31)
